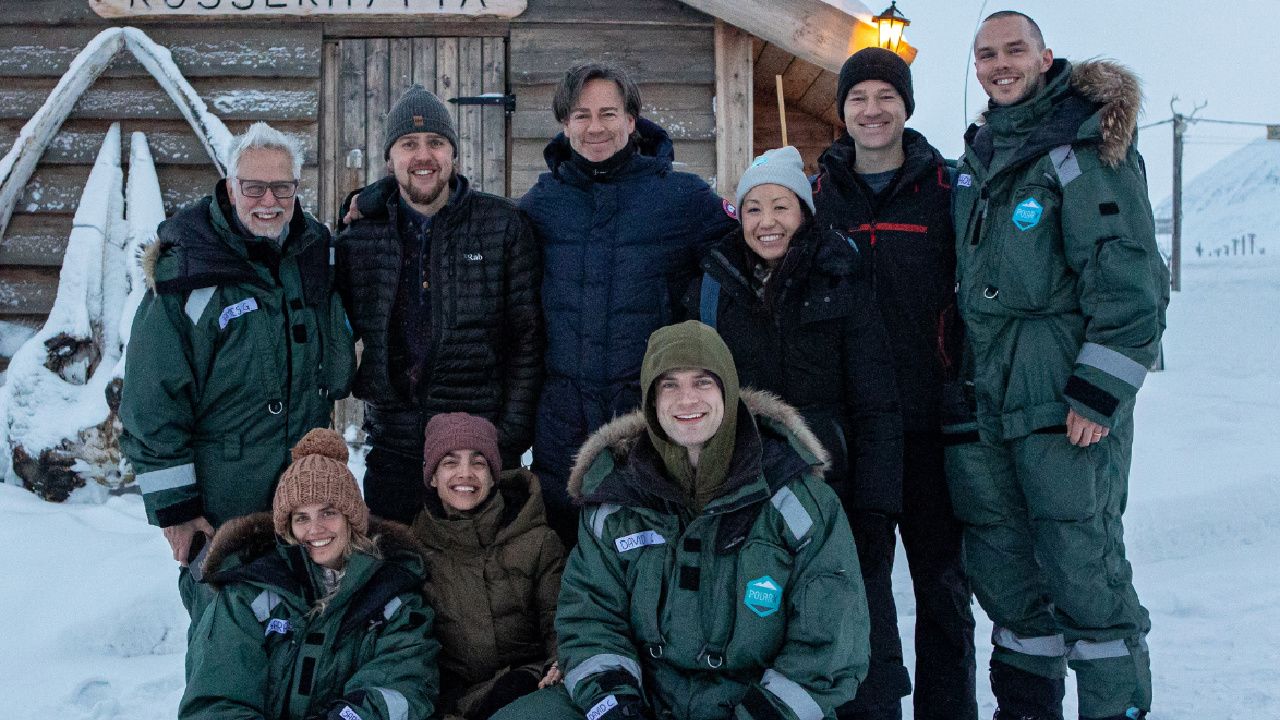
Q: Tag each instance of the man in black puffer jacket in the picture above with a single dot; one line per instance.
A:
(889, 190)
(441, 282)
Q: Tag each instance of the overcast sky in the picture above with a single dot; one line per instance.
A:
(1177, 47)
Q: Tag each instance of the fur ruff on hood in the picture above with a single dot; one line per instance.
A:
(150, 256)
(621, 434)
(254, 536)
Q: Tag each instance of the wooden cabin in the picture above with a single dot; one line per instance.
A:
(326, 71)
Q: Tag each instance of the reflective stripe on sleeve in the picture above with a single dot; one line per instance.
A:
(791, 695)
(598, 664)
(1112, 363)
(262, 605)
(1041, 646)
(397, 705)
(1065, 164)
(601, 514)
(196, 303)
(391, 607)
(1089, 650)
(793, 512)
(167, 479)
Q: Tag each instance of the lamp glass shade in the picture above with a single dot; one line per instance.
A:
(891, 23)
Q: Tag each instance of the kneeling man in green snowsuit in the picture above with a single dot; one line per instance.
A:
(1063, 294)
(715, 575)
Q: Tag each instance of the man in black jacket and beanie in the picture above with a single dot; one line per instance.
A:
(441, 282)
(889, 190)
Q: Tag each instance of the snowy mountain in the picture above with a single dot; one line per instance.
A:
(1238, 195)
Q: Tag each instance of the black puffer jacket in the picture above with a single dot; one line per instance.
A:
(486, 339)
(906, 235)
(815, 340)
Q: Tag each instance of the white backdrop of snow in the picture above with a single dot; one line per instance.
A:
(1239, 194)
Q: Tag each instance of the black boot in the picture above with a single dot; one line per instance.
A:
(1021, 695)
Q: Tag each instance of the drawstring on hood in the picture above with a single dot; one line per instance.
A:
(692, 344)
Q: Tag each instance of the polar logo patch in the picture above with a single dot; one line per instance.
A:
(729, 209)
(278, 626)
(608, 703)
(231, 312)
(1027, 214)
(763, 596)
(638, 540)
(964, 180)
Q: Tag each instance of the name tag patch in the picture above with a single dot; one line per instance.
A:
(231, 312)
(1027, 214)
(608, 703)
(279, 626)
(638, 540)
(348, 714)
(964, 180)
(763, 596)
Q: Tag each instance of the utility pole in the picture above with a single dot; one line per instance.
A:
(1175, 261)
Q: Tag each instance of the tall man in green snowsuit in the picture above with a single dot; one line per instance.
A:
(1063, 294)
(239, 347)
(715, 575)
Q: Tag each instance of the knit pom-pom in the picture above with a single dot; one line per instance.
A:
(321, 441)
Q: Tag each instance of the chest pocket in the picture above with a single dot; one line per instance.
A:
(761, 595)
(1029, 262)
(826, 302)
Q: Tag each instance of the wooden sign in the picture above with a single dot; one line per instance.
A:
(318, 8)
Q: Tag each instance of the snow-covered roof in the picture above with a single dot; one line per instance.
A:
(852, 7)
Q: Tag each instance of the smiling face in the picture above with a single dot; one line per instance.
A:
(874, 115)
(771, 215)
(268, 215)
(463, 480)
(422, 164)
(1010, 60)
(690, 406)
(598, 125)
(323, 531)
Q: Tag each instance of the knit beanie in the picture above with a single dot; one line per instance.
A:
(319, 474)
(418, 110)
(447, 432)
(875, 63)
(781, 166)
(691, 344)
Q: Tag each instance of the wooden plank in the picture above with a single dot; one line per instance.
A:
(663, 12)
(820, 99)
(284, 51)
(57, 188)
(329, 94)
(687, 108)
(799, 77)
(757, 49)
(27, 290)
(494, 144)
(447, 73)
(376, 103)
(813, 30)
(138, 99)
(353, 155)
(399, 66)
(170, 142)
(35, 240)
(773, 61)
(49, 12)
(470, 127)
(402, 29)
(424, 62)
(734, 98)
(280, 11)
(652, 54)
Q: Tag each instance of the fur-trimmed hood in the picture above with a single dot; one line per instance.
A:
(252, 536)
(620, 435)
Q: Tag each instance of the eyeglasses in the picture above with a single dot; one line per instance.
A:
(281, 190)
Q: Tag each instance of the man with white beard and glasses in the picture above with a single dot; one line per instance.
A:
(441, 282)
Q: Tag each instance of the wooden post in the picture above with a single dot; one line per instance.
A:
(734, 106)
(1175, 260)
(782, 109)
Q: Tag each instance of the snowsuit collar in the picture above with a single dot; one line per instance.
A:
(921, 161)
(731, 261)
(515, 508)
(1095, 102)
(654, 152)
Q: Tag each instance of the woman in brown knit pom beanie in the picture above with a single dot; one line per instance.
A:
(318, 504)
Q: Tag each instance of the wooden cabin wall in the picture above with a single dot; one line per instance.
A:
(245, 72)
(667, 46)
(810, 135)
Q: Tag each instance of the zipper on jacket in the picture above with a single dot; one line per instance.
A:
(982, 214)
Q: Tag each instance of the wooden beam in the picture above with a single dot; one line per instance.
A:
(733, 105)
(811, 30)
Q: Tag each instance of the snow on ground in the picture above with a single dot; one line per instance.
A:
(91, 626)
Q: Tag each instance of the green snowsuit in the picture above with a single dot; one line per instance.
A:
(1063, 294)
(260, 651)
(751, 609)
(237, 350)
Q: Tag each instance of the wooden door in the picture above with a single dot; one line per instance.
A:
(363, 77)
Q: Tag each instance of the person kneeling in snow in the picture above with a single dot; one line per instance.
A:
(493, 569)
(715, 574)
(318, 613)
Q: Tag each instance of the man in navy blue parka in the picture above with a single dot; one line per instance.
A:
(621, 235)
